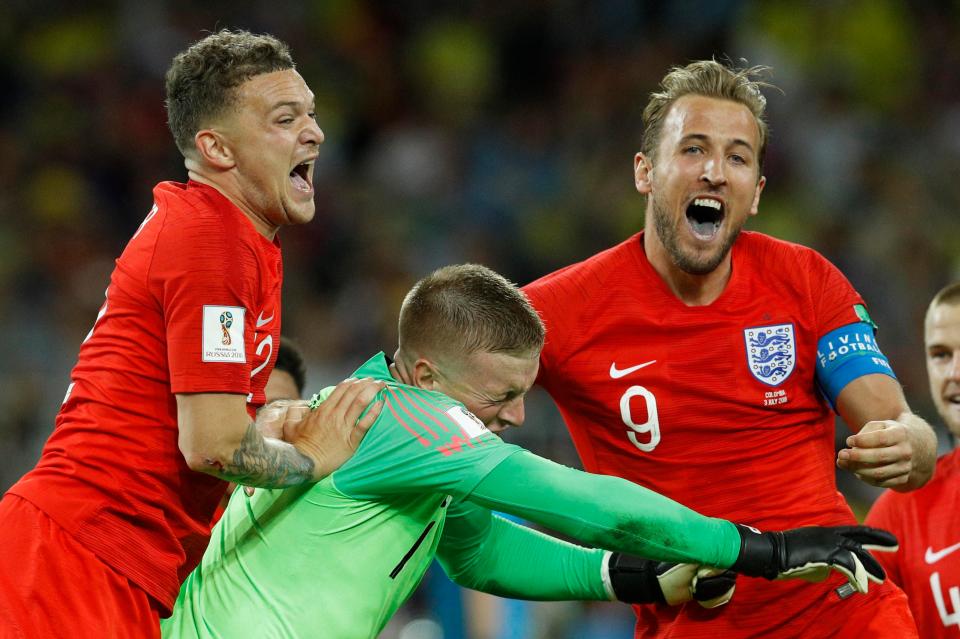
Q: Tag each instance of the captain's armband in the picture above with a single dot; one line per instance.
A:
(846, 353)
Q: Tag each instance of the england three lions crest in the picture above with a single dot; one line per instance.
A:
(771, 352)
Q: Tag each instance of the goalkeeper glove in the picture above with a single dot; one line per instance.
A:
(811, 553)
(636, 580)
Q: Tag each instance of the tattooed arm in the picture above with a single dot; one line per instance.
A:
(217, 437)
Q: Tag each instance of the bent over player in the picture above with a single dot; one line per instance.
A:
(337, 559)
(706, 363)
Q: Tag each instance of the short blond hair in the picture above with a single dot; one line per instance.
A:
(467, 308)
(949, 294)
(710, 79)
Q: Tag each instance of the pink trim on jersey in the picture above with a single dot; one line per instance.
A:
(455, 445)
(416, 403)
(420, 438)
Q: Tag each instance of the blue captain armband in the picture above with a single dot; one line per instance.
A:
(846, 353)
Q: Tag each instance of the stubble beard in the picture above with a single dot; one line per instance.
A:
(688, 262)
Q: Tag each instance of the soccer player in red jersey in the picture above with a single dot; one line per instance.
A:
(927, 521)
(95, 540)
(703, 363)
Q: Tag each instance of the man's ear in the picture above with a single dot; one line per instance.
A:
(642, 174)
(213, 149)
(755, 205)
(424, 374)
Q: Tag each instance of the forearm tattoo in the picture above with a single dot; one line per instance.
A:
(267, 463)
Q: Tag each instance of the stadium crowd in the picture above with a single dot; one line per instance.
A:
(502, 133)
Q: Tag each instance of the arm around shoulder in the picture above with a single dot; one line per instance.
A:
(217, 436)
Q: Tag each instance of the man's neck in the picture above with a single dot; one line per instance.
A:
(229, 191)
(397, 369)
(689, 288)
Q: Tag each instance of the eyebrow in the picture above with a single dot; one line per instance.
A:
(700, 137)
(293, 104)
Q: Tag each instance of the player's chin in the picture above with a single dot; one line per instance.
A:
(299, 212)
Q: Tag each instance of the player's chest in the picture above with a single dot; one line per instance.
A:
(755, 357)
(933, 567)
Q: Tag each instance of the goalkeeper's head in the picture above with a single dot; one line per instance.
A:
(471, 334)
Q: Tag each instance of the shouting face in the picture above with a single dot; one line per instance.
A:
(702, 183)
(267, 147)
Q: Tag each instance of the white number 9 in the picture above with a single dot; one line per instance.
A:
(651, 426)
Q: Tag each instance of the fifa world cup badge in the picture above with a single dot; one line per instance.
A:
(223, 334)
(226, 321)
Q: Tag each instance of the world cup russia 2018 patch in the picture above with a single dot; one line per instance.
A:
(223, 334)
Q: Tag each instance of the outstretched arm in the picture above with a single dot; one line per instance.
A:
(613, 513)
(607, 512)
(485, 552)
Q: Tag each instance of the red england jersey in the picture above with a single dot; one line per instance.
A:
(193, 306)
(927, 565)
(714, 406)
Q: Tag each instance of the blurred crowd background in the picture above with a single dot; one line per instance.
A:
(499, 132)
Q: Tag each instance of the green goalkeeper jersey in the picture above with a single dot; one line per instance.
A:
(337, 558)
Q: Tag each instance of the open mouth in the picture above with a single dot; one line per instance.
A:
(300, 177)
(705, 215)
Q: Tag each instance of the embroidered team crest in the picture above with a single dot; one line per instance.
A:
(771, 352)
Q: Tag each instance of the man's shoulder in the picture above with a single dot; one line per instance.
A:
(191, 201)
(774, 259)
(196, 217)
(894, 504)
(592, 271)
(948, 469)
(766, 247)
(421, 396)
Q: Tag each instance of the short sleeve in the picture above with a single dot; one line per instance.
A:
(207, 279)
(836, 303)
(422, 442)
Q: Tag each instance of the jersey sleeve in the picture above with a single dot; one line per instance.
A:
(847, 346)
(206, 284)
(486, 552)
(835, 302)
(606, 512)
(886, 514)
(421, 442)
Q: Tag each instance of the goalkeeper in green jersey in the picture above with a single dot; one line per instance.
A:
(337, 558)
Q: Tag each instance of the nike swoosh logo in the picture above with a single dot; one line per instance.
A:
(617, 373)
(933, 557)
(263, 322)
